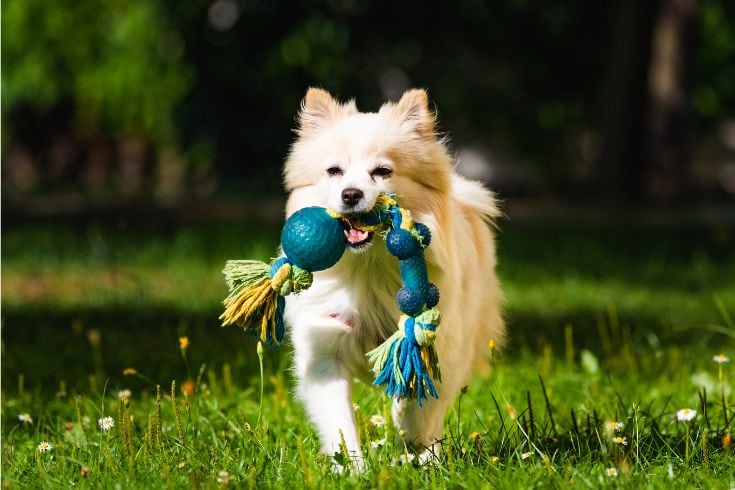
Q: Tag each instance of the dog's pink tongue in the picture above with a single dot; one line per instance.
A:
(355, 235)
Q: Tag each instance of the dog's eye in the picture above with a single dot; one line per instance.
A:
(382, 172)
(334, 171)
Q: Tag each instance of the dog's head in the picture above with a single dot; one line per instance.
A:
(343, 159)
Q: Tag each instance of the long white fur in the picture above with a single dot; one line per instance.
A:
(350, 308)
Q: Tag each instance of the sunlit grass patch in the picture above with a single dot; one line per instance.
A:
(535, 419)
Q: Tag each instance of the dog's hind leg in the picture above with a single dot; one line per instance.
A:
(421, 427)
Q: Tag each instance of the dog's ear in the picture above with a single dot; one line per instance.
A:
(319, 109)
(414, 114)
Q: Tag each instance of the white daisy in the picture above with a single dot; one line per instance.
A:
(526, 455)
(613, 426)
(611, 472)
(45, 447)
(377, 420)
(25, 418)
(223, 478)
(123, 394)
(620, 440)
(685, 414)
(106, 423)
(721, 359)
(377, 443)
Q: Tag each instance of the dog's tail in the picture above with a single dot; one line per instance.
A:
(480, 205)
(474, 197)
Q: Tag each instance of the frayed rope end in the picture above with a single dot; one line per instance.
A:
(256, 300)
(407, 362)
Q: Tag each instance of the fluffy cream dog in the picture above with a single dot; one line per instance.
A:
(343, 159)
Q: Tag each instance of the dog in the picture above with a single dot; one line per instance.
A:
(343, 159)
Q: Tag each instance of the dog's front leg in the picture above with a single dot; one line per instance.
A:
(326, 394)
(324, 387)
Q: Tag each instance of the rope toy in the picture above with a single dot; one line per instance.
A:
(313, 240)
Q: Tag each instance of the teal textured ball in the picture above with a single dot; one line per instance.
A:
(410, 301)
(401, 243)
(425, 233)
(432, 296)
(312, 239)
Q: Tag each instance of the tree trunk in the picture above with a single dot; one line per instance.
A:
(625, 115)
(668, 145)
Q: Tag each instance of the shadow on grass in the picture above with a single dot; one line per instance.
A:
(48, 347)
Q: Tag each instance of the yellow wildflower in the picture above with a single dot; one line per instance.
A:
(188, 387)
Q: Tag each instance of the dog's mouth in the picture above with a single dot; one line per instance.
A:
(356, 238)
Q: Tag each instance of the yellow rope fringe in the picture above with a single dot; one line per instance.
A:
(424, 353)
(242, 308)
(268, 316)
(282, 275)
(406, 219)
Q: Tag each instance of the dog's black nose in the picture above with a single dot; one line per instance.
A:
(352, 196)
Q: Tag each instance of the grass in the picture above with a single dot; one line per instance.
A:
(607, 323)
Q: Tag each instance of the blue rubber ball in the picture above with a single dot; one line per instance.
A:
(432, 296)
(312, 239)
(425, 233)
(410, 301)
(401, 243)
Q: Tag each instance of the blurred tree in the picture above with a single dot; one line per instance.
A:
(714, 63)
(672, 75)
(120, 62)
(116, 67)
(669, 120)
(211, 89)
(625, 114)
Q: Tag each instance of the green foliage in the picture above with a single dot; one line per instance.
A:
(318, 46)
(506, 77)
(121, 64)
(714, 94)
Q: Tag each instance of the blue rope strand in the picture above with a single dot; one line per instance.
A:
(280, 324)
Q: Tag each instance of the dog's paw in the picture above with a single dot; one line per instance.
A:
(337, 468)
(429, 456)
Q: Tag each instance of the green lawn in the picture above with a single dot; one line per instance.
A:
(620, 323)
